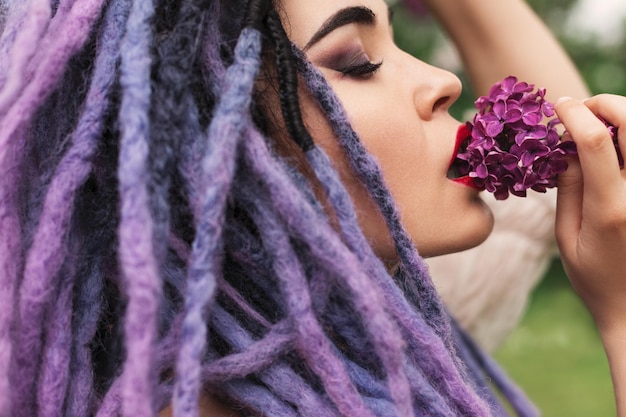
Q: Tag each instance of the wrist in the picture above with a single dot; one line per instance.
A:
(613, 337)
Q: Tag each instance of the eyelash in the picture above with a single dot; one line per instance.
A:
(363, 70)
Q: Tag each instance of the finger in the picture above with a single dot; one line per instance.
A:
(612, 109)
(569, 201)
(596, 152)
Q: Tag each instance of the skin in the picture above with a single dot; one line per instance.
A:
(401, 115)
(591, 223)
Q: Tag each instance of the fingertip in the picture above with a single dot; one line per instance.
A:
(564, 104)
(562, 100)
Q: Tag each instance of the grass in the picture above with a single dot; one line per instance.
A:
(556, 356)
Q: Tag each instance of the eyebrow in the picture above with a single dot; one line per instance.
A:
(357, 14)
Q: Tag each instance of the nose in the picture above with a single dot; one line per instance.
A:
(434, 89)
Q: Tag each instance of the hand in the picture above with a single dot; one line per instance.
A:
(591, 208)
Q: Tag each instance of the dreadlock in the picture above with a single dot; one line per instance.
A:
(159, 243)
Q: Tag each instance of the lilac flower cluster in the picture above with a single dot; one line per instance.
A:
(510, 148)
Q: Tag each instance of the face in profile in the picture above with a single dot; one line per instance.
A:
(399, 107)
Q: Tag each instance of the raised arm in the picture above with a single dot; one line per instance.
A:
(591, 223)
(497, 38)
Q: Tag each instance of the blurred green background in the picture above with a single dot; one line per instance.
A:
(555, 354)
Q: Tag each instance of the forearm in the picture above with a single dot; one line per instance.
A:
(497, 38)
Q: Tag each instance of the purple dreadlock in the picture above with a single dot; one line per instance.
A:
(156, 245)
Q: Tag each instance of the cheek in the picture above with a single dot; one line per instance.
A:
(370, 219)
(395, 136)
(440, 216)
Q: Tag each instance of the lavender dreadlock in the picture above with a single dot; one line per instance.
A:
(156, 243)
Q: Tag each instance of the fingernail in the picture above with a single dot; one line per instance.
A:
(563, 99)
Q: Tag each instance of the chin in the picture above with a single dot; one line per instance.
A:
(476, 232)
(475, 239)
(473, 229)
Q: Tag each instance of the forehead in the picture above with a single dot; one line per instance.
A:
(302, 18)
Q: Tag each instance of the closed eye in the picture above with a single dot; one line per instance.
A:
(361, 70)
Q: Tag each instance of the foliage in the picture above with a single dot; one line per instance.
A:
(556, 356)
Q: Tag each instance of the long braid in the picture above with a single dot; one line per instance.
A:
(13, 17)
(281, 378)
(224, 133)
(327, 249)
(288, 82)
(10, 261)
(9, 224)
(485, 364)
(12, 145)
(87, 298)
(55, 369)
(43, 261)
(137, 259)
(368, 170)
(312, 341)
(37, 17)
(171, 103)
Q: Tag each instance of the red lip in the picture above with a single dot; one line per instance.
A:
(468, 182)
(462, 134)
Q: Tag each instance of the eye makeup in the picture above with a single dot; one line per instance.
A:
(351, 62)
(361, 70)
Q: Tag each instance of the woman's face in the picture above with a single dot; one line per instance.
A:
(400, 111)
